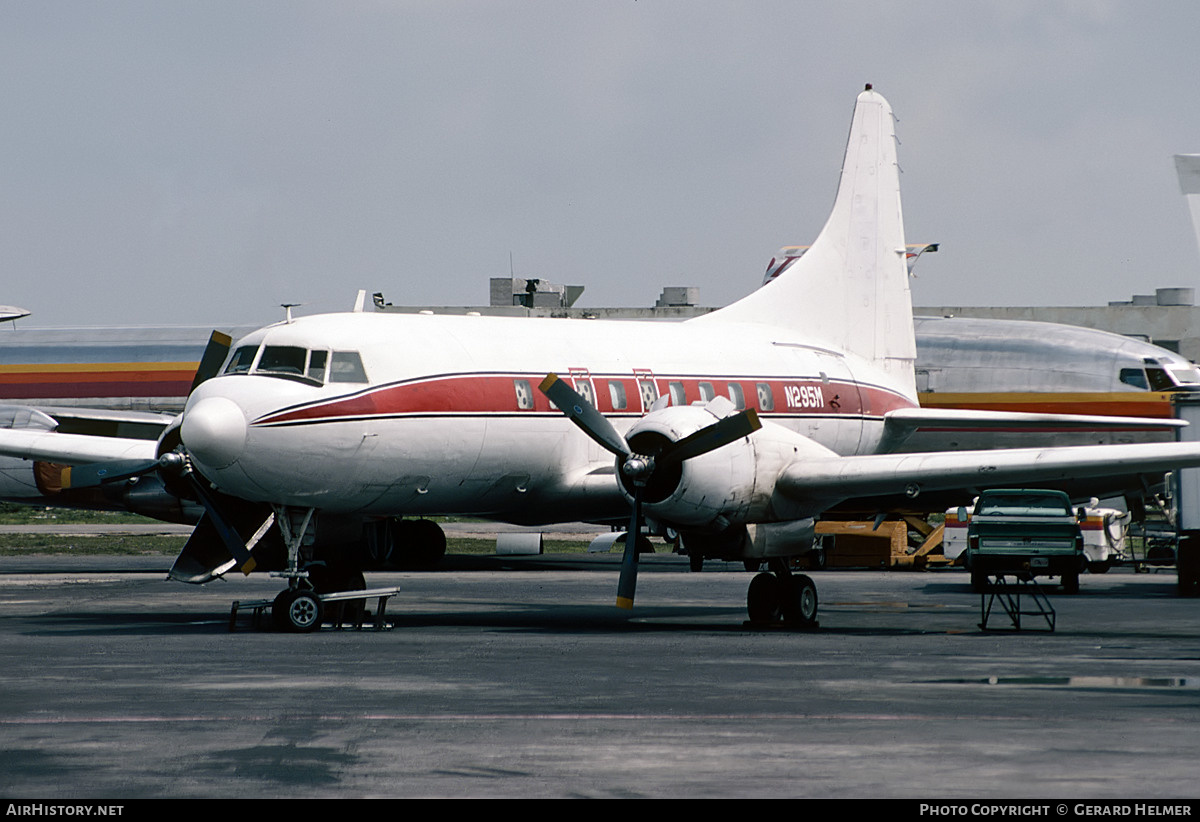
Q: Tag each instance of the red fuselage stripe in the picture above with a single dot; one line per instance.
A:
(516, 394)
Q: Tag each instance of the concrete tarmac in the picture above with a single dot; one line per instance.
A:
(518, 678)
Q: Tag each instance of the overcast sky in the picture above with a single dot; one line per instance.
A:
(203, 162)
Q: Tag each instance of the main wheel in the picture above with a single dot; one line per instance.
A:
(798, 601)
(297, 611)
(763, 598)
(428, 544)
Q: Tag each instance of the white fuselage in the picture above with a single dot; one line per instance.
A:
(452, 422)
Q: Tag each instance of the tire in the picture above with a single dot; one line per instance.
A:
(297, 611)
(427, 546)
(979, 582)
(798, 602)
(696, 561)
(763, 599)
(1070, 583)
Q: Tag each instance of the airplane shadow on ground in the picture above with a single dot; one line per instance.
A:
(533, 618)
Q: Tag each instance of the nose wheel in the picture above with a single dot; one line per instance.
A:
(297, 610)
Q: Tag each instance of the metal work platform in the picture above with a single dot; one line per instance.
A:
(335, 615)
(1009, 595)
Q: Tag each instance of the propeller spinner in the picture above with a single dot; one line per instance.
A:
(639, 470)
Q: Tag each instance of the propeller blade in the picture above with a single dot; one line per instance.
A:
(581, 412)
(722, 432)
(629, 562)
(214, 354)
(229, 536)
(98, 473)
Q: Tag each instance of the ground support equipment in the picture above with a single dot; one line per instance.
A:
(259, 606)
(1009, 596)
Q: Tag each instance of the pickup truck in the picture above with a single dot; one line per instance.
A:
(1027, 530)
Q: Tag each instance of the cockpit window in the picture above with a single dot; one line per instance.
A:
(282, 359)
(316, 366)
(1159, 380)
(1185, 375)
(1135, 377)
(347, 367)
(242, 359)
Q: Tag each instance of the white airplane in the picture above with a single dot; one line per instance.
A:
(10, 313)
(736, 428)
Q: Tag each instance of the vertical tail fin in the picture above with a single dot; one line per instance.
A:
(850, 289)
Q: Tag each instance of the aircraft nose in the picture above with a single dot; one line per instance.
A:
(214, 432)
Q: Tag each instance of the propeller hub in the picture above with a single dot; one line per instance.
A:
(638, 467)
(214, 432)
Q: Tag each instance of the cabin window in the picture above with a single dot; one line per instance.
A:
(706, 392)
(1135, 377)
(524, 394)
(347, 367)
(242, 359)
(616, 393)
(735, 394)
(649, 393)
(282, 359)
(766, 400)
(678, 394)
(584, 388)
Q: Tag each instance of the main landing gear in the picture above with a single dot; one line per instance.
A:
(780, 597)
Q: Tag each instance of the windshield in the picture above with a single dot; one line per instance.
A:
(316, 366)
(1023, 505)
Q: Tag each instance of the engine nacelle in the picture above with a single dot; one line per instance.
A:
(730, 485)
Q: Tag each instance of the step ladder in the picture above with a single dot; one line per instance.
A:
(1009, 594)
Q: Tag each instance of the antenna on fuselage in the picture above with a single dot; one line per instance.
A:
(287, 310)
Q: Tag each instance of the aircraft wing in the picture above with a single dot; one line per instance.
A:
(72, 449)
(911, 475)
(903, 422)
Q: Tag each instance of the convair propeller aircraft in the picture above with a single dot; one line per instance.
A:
(737, 428)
